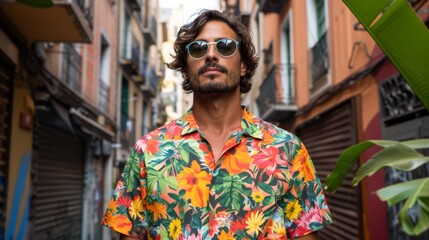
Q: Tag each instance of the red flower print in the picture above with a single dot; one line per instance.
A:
(268, 159)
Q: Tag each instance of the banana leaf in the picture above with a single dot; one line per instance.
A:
(416, 194)
(349, 157)
(402, 36)
(399, 155)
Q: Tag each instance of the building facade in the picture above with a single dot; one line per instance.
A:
(62, 72)
(322, 77)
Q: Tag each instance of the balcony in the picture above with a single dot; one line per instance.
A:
(150, 31)
(131, 60)
(66, 21)
(150, 84)
(71, 67)
(268, 6)
(134, 5)
(276, 95)
(319, 62)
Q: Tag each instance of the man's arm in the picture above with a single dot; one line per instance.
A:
(311, 236)
(124, 237)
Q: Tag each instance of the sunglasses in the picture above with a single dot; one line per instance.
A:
(225, 47)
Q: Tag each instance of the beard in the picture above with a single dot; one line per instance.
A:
(214, 86)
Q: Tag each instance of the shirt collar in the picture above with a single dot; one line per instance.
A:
(249, 124)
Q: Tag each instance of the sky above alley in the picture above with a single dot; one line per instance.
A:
(190, 6)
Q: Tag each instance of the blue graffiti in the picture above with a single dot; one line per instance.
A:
(18, 195)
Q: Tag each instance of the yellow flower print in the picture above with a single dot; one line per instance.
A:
(225, 236)
(136, 208)
(175, 228)
(279, 228)
(195, 183)
(293, 209)
(257, 196)
(254, 221)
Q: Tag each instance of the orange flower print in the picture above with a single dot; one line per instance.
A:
(195, 183)
(237, 161)
(118, 222)
(248, 116)
(225, 236)
(159, 210)
(267, 138)
(303, 165)
(191, 120)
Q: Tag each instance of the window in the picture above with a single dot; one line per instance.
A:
(104, 78)
(317, 25)
(286, 66)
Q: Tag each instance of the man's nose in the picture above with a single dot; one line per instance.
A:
(212, 53)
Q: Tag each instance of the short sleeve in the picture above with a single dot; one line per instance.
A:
(306, 210)
(126, 212)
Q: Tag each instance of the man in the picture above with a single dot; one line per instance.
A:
(218, 172)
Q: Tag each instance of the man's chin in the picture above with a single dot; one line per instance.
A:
(214, 88)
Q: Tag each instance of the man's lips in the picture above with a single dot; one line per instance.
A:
(212, 69)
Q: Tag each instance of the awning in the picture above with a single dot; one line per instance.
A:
(90, 126)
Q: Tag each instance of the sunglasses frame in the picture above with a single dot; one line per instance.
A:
(210, 43)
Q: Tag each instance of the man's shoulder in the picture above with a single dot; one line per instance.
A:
(275, 131)
(171, 129)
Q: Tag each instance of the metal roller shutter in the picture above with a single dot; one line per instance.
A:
(5, 118)
(58, 184)
(325, 138)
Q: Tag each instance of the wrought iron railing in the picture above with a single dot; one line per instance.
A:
(71, 67)
(87, 7)
(103, 96)
(267, 92)
(398, 99)
(319, 60)
(135, 54)
(269, 88)
(150, 30)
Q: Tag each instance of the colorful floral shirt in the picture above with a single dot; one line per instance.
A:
(263, 186)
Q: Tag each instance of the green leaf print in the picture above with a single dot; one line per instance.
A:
(166, 151)
(266, 188)
(268, 200)
(231, 190)
(158, 182)
(132, 170)
(186, 148)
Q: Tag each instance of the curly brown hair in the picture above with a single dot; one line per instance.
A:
(189, 32)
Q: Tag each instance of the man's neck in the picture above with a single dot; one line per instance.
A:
(217, 114)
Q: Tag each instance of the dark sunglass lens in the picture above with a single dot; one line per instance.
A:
(226, 47)
(198, 49)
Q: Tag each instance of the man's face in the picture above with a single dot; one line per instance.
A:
(215, 73)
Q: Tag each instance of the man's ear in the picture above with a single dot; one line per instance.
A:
(243, 69)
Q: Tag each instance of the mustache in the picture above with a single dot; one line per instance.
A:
(212, 65)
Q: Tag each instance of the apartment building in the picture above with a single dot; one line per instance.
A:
(322, 77)
(67, 72)
(140, 73)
